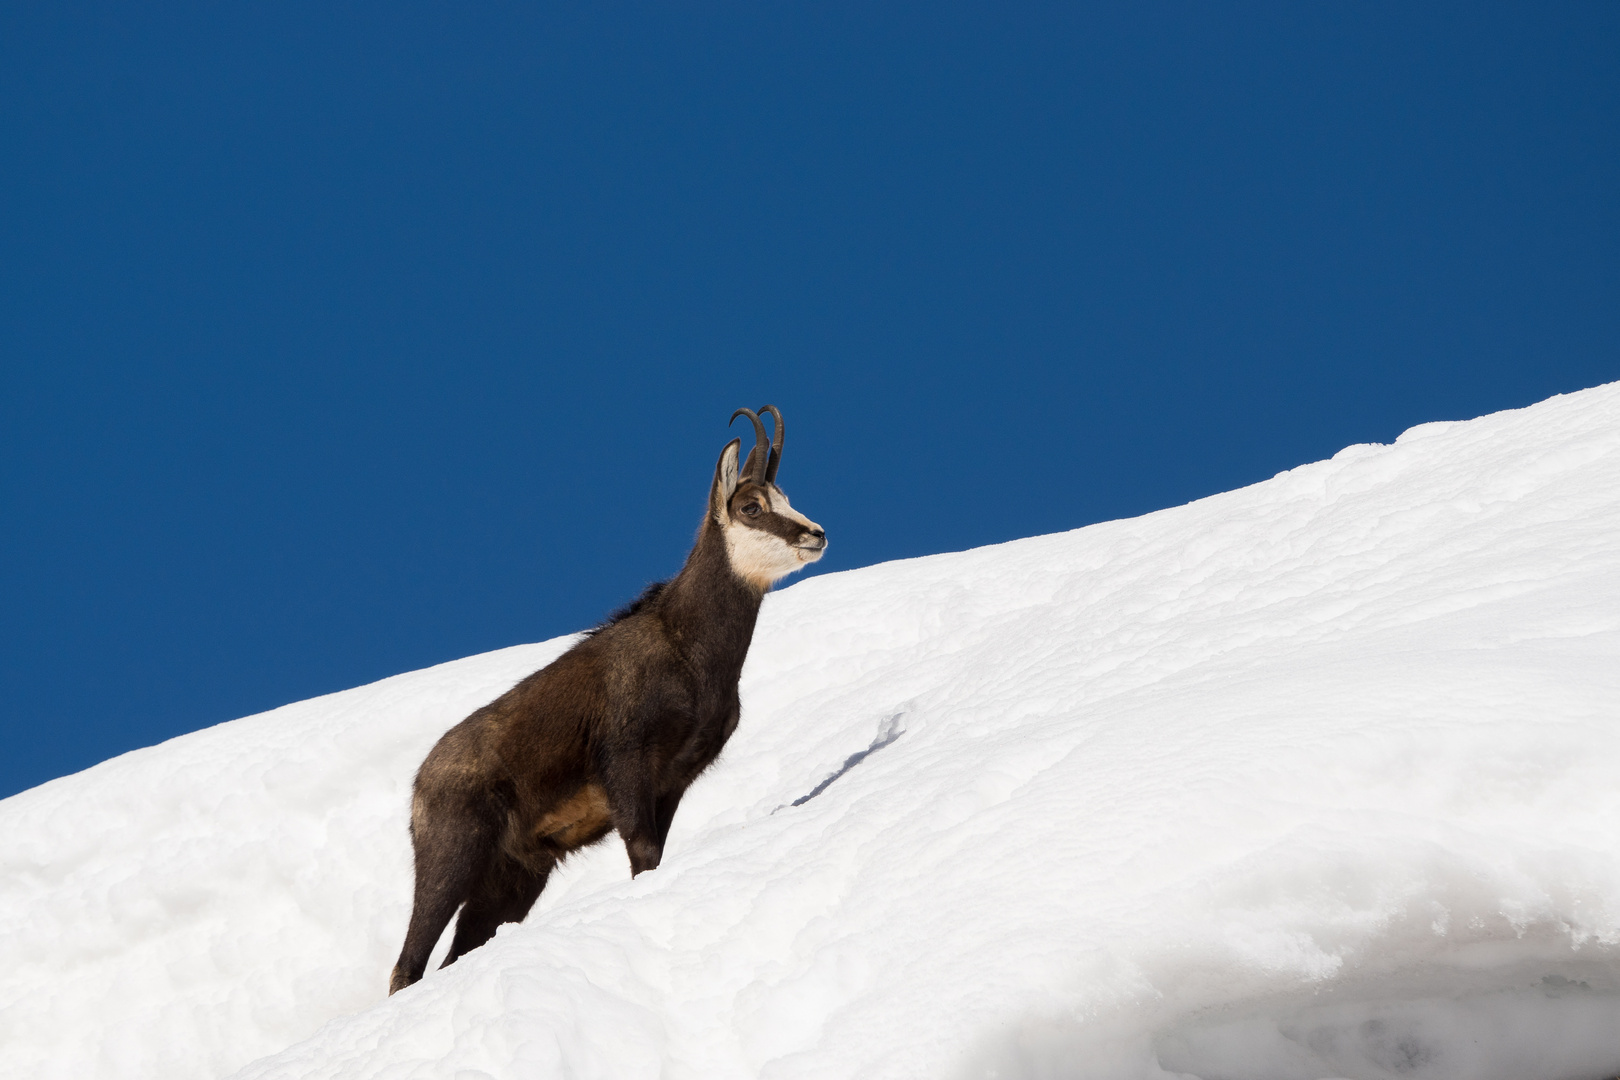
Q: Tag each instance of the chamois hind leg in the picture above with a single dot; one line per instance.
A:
(454, 848)
(505, 894)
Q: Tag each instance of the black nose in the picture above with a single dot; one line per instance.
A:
(818, 534)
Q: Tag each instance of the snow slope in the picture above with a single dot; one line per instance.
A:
(1312, 779)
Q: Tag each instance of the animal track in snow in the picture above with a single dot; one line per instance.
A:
(891, 729)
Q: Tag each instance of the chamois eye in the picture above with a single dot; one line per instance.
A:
(752, 509)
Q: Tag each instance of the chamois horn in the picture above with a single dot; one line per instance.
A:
(775, 461)
(754, 468)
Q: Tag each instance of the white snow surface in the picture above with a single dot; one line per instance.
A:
(1317, 778)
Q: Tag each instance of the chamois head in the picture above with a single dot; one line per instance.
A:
(766, 538)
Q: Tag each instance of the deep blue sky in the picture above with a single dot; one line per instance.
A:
(336, 341)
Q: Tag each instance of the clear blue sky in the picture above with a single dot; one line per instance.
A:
(339, 340)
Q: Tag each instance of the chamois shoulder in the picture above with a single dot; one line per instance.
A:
(635, 607)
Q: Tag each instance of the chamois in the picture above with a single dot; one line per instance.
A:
(611, 733)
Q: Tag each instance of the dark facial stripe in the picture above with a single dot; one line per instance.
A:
(768, 520)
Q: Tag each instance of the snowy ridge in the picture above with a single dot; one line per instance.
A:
(1310, 779)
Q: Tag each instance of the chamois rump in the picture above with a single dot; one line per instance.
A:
(610, 734)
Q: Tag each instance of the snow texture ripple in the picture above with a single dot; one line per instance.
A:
(1311, 779)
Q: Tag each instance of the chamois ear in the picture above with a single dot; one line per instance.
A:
(725, 481)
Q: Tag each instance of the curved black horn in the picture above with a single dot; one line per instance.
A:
(754, 467)
(775, 461)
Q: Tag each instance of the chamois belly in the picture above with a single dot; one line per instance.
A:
(582, 818)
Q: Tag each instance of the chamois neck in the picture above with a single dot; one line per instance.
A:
(707, 601)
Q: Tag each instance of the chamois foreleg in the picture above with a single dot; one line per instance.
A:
(632, 795)
(505, 894)
(693, 758)
(668, 803)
